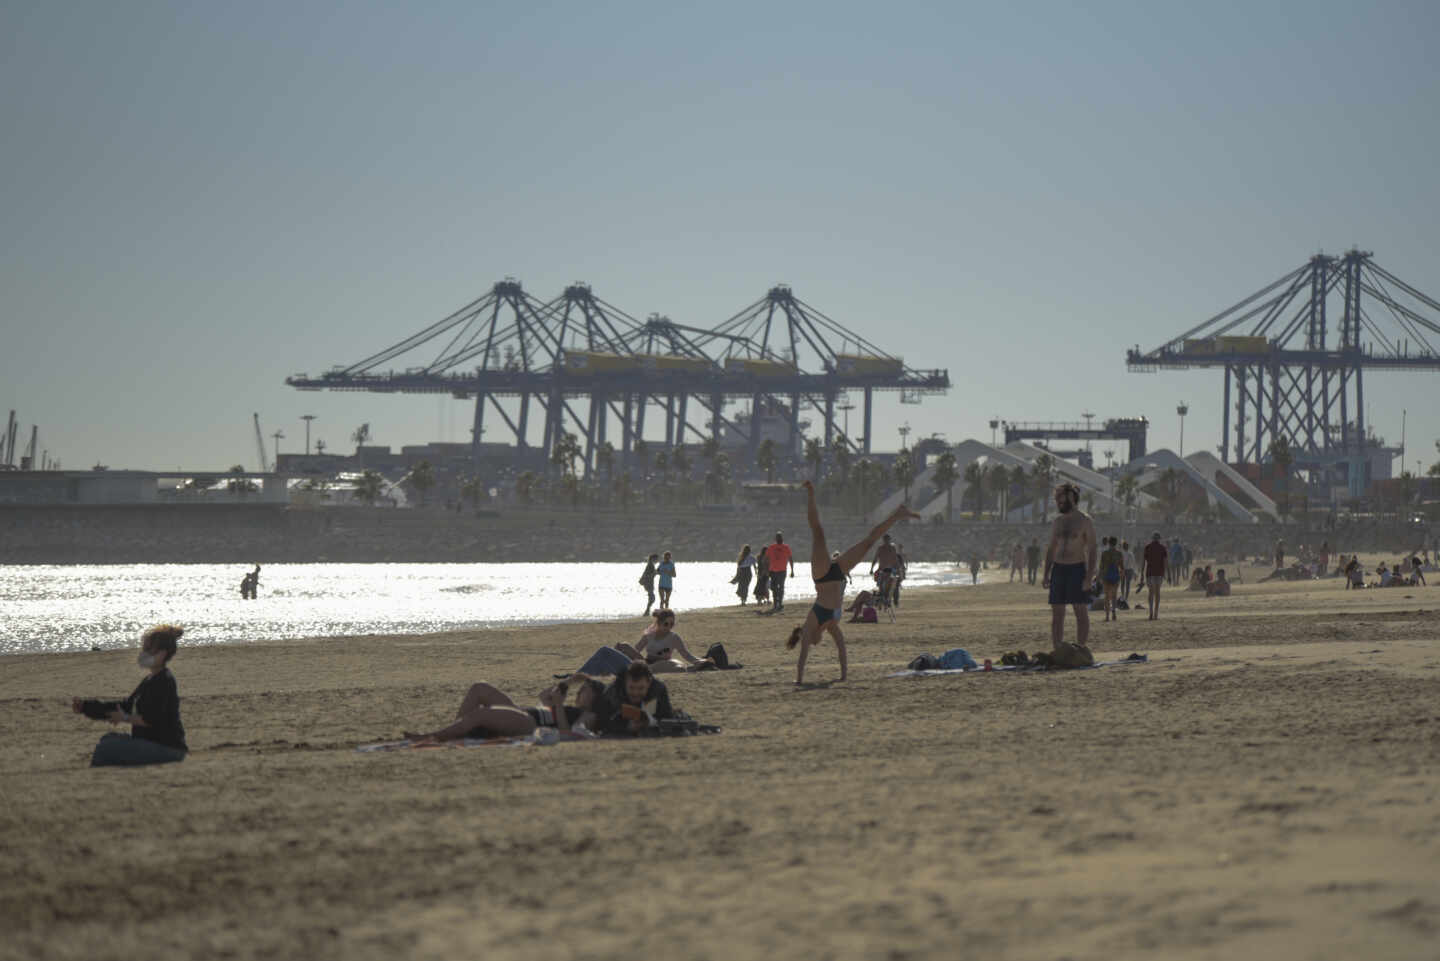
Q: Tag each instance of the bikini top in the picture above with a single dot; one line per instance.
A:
(833, 574)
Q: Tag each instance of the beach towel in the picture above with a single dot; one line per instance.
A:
(541, 737)
(681, 726)
(1027, 669)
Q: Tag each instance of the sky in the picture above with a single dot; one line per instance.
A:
(202, 199)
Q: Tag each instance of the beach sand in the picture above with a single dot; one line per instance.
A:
(1265, 787)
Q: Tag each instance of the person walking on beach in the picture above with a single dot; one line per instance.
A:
(744, 568)
(1070, 563)
(152, 711)
(829, 575)
(762, 575)
(1155, 557)
(899, 572)
(1017, 562)
(1129, 574)
(1032, 560)
(647, 581)
(1112, 572)
(666, 570)
(779, 557)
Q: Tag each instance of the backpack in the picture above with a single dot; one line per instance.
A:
(868, 615)
(716, 653)
(925, 662)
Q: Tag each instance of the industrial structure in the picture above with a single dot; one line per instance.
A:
(1295, 364)
(1132, 430)
(581, 362)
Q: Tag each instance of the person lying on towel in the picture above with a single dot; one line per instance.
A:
(487, 712)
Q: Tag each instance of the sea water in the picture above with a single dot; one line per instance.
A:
(76, 608)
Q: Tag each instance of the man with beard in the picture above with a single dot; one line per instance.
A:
(1070, 564)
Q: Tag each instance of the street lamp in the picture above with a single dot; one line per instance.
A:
(1182, 410)
(307, 418)
(277, 435)
(994, 423)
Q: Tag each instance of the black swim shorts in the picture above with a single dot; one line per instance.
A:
(1067, 584)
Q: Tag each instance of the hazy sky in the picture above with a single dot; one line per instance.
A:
(202, 198)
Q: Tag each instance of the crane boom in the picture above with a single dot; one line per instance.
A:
(260, 446)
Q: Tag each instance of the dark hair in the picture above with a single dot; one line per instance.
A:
(596, 688)
(664, 612)
(743, 551)
(794, 638)
(163, 638)
(637, 670)
(1069, 488)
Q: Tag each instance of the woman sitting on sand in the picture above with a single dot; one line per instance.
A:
(486, 711)
(663, 649)
(829, 578)
(660, 647)
(152, 711)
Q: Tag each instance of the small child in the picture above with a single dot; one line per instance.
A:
(152, 711)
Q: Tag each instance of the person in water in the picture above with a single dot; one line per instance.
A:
(824, 614)
(152, 711)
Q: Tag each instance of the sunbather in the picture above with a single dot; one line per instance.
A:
(829, 578)
(486, 711)
(663, 649)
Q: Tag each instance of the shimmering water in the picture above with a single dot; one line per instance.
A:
(75, 608)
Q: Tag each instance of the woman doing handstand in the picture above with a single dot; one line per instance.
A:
(830, 582)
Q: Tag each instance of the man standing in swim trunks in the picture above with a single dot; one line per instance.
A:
(887, 559)
(779, 557)
(1070, 563)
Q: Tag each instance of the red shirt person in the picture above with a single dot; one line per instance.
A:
(779, 558)
(1155, 559)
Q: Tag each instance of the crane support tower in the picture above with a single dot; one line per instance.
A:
(1294, 355)
(581, 362)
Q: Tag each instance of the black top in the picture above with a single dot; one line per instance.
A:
(609, 720)
(157, 701)
(833, 574)
(648, 578)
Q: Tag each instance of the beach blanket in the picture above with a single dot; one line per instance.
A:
(1028, 669)
(546, 736)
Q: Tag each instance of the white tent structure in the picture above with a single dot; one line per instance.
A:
(1214, 468)
(1151, 468)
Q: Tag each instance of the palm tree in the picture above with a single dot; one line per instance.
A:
(681, 462)
(421, 479)
(946, 474)
(360, 435)
(368, 487)
(1000, 487)
(765, 459)
(605, 458)
(1127, 489)
(975, 487)
(1042, 475)
(814, 455)
(473, 489)
(844, 458)
(1281, 457)
(904, 471)
(525, 486)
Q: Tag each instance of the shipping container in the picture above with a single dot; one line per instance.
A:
(693, 365)
(879, 366)
(758, 368)
(1199, 346)
(1230, 344)
(593, 361)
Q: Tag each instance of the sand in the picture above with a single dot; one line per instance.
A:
(1265, 787)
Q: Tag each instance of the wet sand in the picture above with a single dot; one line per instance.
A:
(1265, 786)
